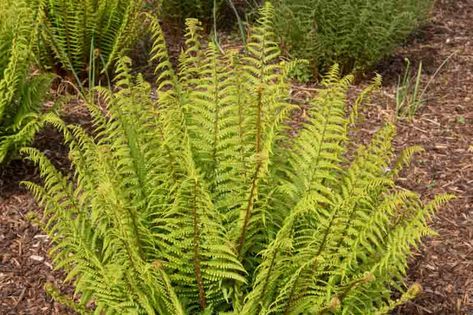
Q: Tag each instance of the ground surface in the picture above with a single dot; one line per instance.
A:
(444, 127)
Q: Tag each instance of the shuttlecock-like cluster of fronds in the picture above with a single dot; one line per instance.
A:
(85, 38)
(20, 92)
(193, 199)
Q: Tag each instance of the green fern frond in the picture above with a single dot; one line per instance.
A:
(21, 93)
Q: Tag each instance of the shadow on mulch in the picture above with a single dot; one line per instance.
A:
(24, 265)
(391, 67)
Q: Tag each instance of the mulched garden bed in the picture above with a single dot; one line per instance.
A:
(444, 127)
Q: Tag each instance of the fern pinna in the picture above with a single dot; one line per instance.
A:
(21, 94)
(198, 201)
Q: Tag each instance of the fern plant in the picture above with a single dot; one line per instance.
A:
(84, 38)
(21, 93)
(198, 201)
(356, 34)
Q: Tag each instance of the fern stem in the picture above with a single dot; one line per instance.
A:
(197, 267)
(271, 265)
(248, 210)
(216, 121)
(241, 131)
(241, 137)
(170, 157)
(350, 216)
(259, 124)
(347, 225)
(319, 149)
(254, 181)
(314, 264)
(291, 295)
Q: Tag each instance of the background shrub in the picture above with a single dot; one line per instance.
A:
(182, 9)
(84, 38)
(199, 200)
(21, 93)
(227, 12)
(356, 34)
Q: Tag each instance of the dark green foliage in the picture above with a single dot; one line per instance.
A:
(21, 93)
(222, 13)
(301, 72)
(356, 34)
(85, 38)
(181, 9)
(197, 201)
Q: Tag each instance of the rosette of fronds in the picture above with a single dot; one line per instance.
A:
(21, 92)
(194, 199)
(85, 38)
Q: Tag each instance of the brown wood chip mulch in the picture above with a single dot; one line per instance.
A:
(444, 127)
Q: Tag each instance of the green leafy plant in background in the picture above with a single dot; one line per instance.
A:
(301, 72)
(205, 10)
(182, 9)
(85, 38)
(215, 13)
(21, 91)
(356, 34)
(198, 201)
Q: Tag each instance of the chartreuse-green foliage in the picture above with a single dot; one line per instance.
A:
(197, 201)
(86, 37)
(21, 94)
(356, 33)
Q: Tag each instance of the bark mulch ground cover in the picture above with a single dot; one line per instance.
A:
(444, 127)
